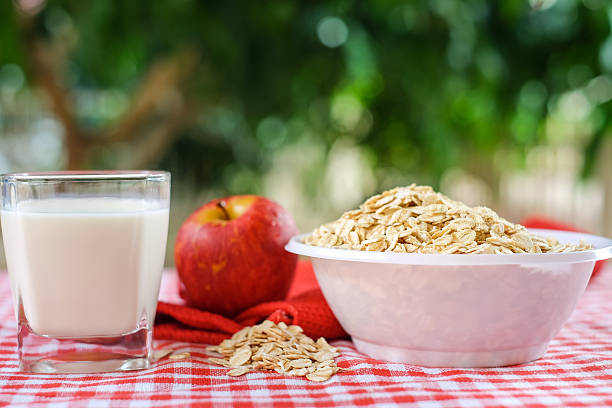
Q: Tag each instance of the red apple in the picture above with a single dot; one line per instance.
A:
(230, 254)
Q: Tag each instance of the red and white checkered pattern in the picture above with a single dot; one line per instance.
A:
(576, 371)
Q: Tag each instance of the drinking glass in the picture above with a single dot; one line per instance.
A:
(85, 253)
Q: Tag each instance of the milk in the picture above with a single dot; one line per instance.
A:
(85, 266)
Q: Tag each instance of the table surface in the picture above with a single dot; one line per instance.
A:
(576, 371)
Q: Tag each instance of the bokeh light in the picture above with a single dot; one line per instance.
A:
(271, 132)
(599, 89)
(29, 7)
(11, 78)
(332, 32)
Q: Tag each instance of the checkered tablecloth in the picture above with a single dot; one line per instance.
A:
(576, 371)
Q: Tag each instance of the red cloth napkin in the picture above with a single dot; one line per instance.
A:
(305, 306)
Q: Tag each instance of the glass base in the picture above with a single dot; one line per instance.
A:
(49, 355)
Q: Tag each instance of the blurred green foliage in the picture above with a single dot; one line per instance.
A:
(422, 85)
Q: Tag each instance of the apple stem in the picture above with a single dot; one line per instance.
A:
(221, 205)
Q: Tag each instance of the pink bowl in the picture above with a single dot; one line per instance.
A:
(454, 310)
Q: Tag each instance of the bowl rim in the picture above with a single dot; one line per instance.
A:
(602, 250)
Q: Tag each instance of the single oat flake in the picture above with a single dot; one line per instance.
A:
(179, 356)
(416, 219)
(278, 347)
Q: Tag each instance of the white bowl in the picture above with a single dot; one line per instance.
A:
(454, 310)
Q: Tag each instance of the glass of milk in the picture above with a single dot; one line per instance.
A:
(85, 253)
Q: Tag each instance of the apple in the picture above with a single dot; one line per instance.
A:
(230, 254)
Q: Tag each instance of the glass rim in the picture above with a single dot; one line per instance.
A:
(87, 176)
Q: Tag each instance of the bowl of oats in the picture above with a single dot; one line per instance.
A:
(416, 277)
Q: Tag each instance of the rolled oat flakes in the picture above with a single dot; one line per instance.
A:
(416, 219)
(281, 348)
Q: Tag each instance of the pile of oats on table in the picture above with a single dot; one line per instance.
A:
(284, 349)
(416, 219)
